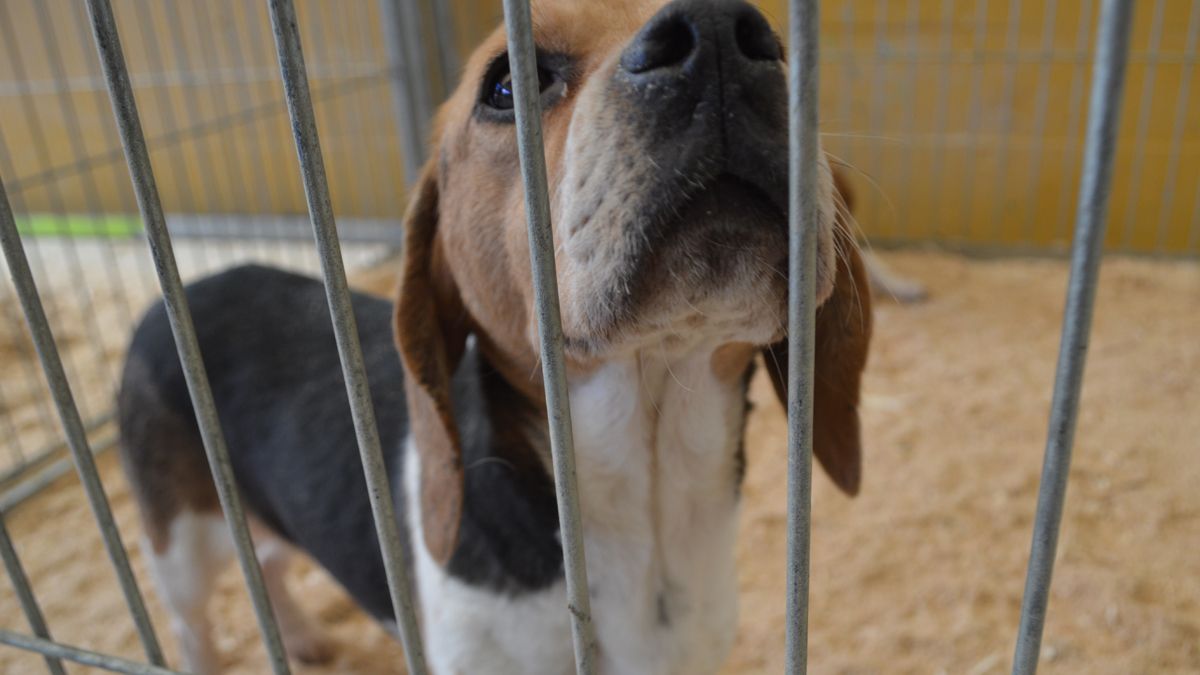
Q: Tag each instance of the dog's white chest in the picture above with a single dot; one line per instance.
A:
(657, 478)
(655, 441)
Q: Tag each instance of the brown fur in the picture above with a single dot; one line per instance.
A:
(173, 476)
(429, 338)
(466, 261)
(840, 356)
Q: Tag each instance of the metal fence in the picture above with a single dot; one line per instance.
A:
(1107, 81)
(217, 126)
(968, 118)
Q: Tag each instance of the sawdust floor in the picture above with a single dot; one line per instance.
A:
(923, 572)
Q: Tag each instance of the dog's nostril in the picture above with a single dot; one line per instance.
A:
(668, 42)
(755, 39)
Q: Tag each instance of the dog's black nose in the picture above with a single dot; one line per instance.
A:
(686, 31)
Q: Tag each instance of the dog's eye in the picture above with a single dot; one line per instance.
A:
(501, 97)
(498, 93)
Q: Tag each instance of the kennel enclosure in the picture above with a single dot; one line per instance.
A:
(405, 80)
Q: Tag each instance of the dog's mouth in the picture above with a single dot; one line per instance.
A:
(734, 199)
(713, 260)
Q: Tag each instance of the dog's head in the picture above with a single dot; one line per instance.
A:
(666, 135)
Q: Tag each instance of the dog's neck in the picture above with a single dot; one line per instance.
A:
(658, 453)
(657, 449)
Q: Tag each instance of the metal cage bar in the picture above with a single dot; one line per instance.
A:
(81, 656)
(407, 96)
(1108, 79)
(72, 424)
(39, 139)
(24, 591)
(518, 23)
(1145, 112)
(1167, 200)
(1041, 102)
(133, 139)
(803, 164)
(337, 291)
(34, 483)
(1071, 146)
(447, 50)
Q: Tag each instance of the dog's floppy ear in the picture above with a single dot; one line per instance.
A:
(430, 334)
(843, 337)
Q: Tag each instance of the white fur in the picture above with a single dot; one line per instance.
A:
(887, 283)
(655, 435)
(199, 548)
(472, 630)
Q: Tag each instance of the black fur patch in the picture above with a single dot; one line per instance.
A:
(272, 361)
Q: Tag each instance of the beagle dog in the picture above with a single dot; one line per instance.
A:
(666, 145)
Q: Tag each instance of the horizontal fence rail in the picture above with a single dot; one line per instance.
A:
(527, 104)
(1108, 80)
(83, 657)
(337, 290)
(133, 139)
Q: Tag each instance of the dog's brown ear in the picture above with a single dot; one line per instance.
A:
(430, 334)
(843, 337)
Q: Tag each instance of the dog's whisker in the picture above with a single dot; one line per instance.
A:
(662, 350)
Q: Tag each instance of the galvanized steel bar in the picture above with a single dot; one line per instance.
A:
(974, 116)
(277, 142)
(239, 170)
(1041, 102)
(1193, 238)
(18, 462)
(1167, 201)
(876, 106)
(145, 280)
(911, 27)
(72, 424)
(75, 135)
(1000, 185)
(45, 451)
(337, 290)
(945, 34)
(112, 59)
(357, 26)
(26, 358)
(205, 161)
(448, 62)
(1108, 79)
(522, 57)
(81, 656)
(1193, 242)
(803, 165)
(29, 604)
(406, 97)
(1133, 214)
(416, 63)
(1070, 148)
(39, 139)
(35, 483)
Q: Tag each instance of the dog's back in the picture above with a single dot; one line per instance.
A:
(272, 363)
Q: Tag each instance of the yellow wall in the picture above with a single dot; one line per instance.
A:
(963, 127)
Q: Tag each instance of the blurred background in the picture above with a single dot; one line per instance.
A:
(962, 122)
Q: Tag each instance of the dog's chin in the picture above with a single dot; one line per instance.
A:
(713, 271)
